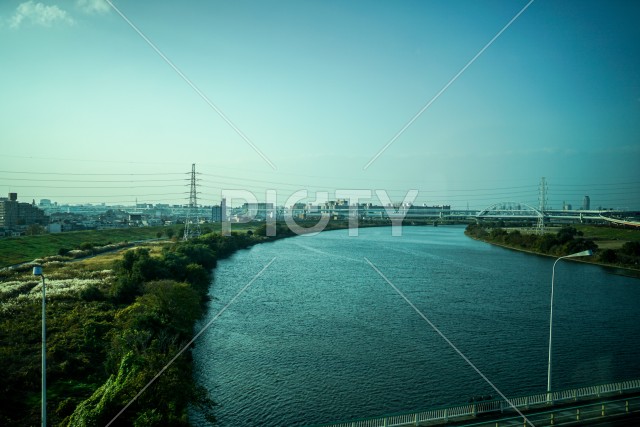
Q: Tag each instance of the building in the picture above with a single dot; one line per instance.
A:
(216, 213)
(223, 210)
(586, 203)
(425, 211)
(259, 211)
(219, 212)
(16, 216)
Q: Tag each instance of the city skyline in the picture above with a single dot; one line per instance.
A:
(92, 113)
(375, 198)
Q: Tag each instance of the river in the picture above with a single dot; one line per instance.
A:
(320, 336)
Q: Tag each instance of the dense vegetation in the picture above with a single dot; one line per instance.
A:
(566, 241)
(109, 333)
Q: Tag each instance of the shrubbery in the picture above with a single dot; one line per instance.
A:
(159, 299)
(566, 241)
(110, 332)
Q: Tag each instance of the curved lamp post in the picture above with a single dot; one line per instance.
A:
(553, 273)
(37, 271)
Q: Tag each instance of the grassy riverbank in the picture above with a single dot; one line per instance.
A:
(14, 250)
(620, 247)
(114, 321)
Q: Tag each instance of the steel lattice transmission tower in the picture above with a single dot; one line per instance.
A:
(542, 198)
(192, 221)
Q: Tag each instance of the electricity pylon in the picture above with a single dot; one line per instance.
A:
(192, 221)
(542, 198)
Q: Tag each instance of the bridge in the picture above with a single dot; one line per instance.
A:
(516, 211)
(612, 402)
(523, 211)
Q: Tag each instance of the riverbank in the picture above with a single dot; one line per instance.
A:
(565, 241)
(113, 322)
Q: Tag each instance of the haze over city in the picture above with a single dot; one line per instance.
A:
(114, 102)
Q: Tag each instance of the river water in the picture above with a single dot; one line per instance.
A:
(320, 336)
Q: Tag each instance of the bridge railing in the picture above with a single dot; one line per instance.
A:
(522, 403)
(584, 412)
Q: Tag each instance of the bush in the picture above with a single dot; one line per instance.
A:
(199, 278)
(566, 234)
(198, 253)
(92, 293)
(609, 256)
(631, 248)
(125, 289)
(86, 246)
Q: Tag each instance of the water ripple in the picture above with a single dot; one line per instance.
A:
(321, 337)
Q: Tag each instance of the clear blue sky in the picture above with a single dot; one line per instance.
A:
(320, 87)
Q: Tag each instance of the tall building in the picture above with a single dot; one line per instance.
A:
(223, 210)
(16, 216)
(216, 213)
(586, 203)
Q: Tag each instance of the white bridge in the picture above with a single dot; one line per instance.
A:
(516, 211)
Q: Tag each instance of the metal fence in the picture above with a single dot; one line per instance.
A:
(470, 410)
(567, 415)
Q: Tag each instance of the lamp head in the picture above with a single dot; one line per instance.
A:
(37, 270)
(588, 252)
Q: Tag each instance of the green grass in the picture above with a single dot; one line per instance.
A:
(15, 250)
(609, 233)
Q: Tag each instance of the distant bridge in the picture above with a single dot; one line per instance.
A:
(605, 402)
(621, 221)
(523, 211)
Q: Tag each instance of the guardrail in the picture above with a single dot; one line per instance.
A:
(474, 409)
(571, 415)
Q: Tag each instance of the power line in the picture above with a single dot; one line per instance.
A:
(85, 180)
(93, 173)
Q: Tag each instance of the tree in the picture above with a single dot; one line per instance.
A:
(86, 246)
(199, 278)
(566, 234)
(609, 256)
(631, 248)
(546, 243)
(176, 305)
(198, 253)
(135, 267)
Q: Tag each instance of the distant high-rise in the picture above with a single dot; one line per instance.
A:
(223, 210)
(17, 216)
(586, 203)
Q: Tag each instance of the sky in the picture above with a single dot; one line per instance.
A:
(113, 103)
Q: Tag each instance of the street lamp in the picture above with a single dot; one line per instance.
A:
(553, 273)
(37, 271)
